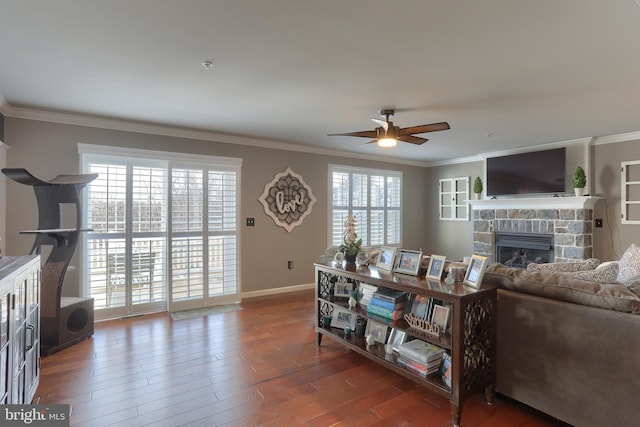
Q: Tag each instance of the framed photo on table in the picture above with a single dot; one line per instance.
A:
(475, 271)
(408, 261)
(440, 317)
(397, 338)
(343, 318)
(343, 289)
(386, 258)
(377, 330)
(436, 266)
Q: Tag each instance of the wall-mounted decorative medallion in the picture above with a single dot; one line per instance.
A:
(287, 199)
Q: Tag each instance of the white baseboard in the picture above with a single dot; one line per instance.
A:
(276, 291)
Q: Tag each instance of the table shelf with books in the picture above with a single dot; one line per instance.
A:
(466, 338)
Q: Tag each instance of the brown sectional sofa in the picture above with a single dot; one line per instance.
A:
(569, 347)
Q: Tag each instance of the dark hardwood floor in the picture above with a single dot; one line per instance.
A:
(258, 366)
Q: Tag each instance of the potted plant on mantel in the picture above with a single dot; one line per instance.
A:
(351, 244)
(579, 181)
(477, 187)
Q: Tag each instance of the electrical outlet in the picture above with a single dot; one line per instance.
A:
(599, 222)
(290, 265)
(251, 222)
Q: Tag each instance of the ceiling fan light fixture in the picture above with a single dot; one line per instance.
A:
(386, 142)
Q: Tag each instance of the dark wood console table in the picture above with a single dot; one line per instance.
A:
(471, 342)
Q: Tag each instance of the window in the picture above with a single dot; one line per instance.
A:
(163, 230)
(374, 197)
(454, 199)
(630, 203)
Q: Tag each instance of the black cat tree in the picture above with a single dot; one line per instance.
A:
(64, 320)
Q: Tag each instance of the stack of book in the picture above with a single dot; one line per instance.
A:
(387, 303)
(420, 357)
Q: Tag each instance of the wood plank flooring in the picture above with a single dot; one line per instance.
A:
(256, 367)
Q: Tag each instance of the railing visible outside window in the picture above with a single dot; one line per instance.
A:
(163, 230)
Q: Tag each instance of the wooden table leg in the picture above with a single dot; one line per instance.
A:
(489, 394)
(455, 414)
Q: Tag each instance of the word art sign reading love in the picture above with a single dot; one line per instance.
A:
(287, 199)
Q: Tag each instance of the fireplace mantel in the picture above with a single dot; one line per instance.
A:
(587, 202)
(568, 219)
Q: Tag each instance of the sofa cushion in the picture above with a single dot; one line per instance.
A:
(588, 264)
(565, 287)
(607, 272)
(629, 265)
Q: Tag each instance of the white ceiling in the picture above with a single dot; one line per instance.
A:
(503, 73)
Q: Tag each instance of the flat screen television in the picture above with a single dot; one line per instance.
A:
(536, 172)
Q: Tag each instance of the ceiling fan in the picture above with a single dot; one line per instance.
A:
(388, 135)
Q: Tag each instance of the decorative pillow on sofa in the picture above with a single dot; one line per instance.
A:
(567, 267)
(629, 264)
(607, 272)
(565, 287)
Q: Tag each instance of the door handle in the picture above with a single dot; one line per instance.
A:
(33, 333)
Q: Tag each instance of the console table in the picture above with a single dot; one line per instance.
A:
(470, 342)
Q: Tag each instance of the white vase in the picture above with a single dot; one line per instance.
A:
(579, 191)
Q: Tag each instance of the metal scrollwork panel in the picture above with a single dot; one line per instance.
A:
(478, 339)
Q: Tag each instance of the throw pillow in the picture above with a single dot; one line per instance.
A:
(629, 264)
(607, 272)
(588, 264)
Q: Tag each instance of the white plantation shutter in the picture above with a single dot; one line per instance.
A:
(187, 244)
(373, 197)
(164, 229)
(106, 202)
(222, 219)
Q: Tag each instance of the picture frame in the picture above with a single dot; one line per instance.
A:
(343, 289)
(436, 267)
(377, 330)
(343, 318)
(440, 317)
(420, 306)
(397, 338)
(475, 271)
(407, 261)
(386, 257)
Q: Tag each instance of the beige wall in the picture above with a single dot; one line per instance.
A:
(453, 239)
(48, 149)
(614, 238)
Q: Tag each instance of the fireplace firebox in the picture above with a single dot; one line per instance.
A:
(522, 249)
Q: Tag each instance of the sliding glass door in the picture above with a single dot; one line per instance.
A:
(163, 231)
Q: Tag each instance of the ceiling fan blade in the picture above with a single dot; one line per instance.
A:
(433, 127)
(412, 139)
(384, 124)
(364, 133)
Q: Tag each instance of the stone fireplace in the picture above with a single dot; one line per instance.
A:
(521, 249)
(564, 223)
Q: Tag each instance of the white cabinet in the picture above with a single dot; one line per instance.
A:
(19, 328)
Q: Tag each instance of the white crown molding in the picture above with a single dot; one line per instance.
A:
(621, 137)
(484, 156)
(154, 129)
